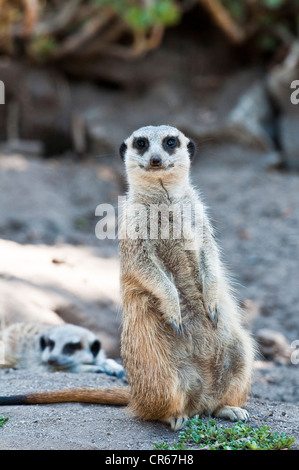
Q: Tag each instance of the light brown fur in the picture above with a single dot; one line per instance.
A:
(183, 345)
(207, 367)
(21, 344)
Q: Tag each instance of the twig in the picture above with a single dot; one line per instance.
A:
(57, 23)
(87, 33)
(101, 44)
(141, 45)
(30, 16)
(224, 20)
(145, 44)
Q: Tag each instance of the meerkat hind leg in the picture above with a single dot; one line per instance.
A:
(234, 413)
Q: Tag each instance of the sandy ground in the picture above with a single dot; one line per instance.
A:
(74, 426)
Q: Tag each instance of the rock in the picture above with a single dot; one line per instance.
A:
(250, 120)
(37, 105)
(279, 81)
(273, 344)
(243, 116)
(279, 85)
(289, 137)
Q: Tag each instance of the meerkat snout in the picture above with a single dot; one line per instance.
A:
(53, 361)
(155, 161)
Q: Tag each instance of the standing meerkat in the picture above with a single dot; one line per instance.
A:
(183, 346)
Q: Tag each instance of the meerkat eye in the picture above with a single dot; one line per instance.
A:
(141, 144)
(171, 142)
(70, 348)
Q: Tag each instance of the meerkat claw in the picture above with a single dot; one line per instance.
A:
(178, 329)
(213, 316)
(178, 423)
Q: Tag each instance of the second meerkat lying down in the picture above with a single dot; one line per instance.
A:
(67, 347)
(183, 346)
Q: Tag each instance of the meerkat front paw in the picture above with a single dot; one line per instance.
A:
(178, 328)
(111, 367)
(172, 315)
(175, 321)
(212, 310)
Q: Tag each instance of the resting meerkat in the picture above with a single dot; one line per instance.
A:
(68, 348)
(183, 346)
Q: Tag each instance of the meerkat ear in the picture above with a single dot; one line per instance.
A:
(95, 347)
(191, 148)
(122, 150)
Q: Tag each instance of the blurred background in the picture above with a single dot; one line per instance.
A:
(79, 77)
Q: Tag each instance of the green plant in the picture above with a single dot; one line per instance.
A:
(211, 435)
(2, 421)
(139, 15)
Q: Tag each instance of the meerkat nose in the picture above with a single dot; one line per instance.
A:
(155, 161)
(53, 361)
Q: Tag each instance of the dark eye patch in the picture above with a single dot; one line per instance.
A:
(45, 342)
(141, 144)
(95, 347)
(170, 143)
(191, 149)
(71, 348)
(122, 150)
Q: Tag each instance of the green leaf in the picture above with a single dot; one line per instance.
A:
(210, 434)
(2, 421)
(273, 3)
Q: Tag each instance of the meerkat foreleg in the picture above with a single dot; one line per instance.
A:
(148, 274)
(156, 281)
(210, 269)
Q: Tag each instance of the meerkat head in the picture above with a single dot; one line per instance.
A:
(65, 346)
(157, 153)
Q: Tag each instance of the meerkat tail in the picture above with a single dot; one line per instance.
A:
(104, 396)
